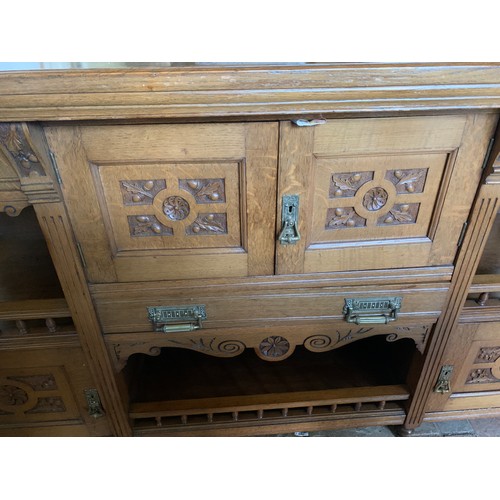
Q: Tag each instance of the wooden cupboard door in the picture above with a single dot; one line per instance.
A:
(380, 193)
(474, 354)
(43, 390)
(154, 202)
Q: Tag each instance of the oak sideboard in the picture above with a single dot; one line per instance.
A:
(250, 249)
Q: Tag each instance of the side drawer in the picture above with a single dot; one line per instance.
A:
(123, 309)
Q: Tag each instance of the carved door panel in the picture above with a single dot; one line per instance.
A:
(474, 354)
(45, 388)
(157, 202)
(380, 193)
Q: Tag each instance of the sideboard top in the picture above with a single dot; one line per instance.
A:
(200, 91)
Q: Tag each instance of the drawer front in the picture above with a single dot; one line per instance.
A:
(125, 310)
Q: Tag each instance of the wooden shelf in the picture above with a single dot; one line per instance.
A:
(179, 389)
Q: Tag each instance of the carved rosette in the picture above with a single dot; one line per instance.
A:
(176, 208)
(12, 395)
(274, 348)
(375, 199)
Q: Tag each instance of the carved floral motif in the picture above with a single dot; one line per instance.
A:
(345, 185)
(13, 138)
(208, 224)
(48, 405)
(341, 218)
(274, 346)
(12, 395)
(408, 181)
(38, 382)
(147, 225)
(176, 208)
(405, 213)
(488, 355)
(481, 376)
(375, 199)
(141, 192)
(205, 190)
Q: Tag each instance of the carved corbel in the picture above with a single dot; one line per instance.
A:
(24, 148)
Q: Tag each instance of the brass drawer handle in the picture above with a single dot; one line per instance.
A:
(177, 319)
(372, 311)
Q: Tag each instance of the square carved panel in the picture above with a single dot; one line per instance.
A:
(171, 205)
(35, 395)
(375, 197)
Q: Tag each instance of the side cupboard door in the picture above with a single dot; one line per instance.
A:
(380, 193)
(155, 202)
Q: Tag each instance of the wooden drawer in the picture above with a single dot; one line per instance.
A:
(124, 309)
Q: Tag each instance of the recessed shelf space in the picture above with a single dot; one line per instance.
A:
(26, 269)
(490, 259)
(31, 298)
(183, 389)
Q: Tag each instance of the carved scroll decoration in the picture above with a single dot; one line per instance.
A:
(338, 338)
(268, 348)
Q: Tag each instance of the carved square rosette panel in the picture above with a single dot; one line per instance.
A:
(375, 197)
(35, 395)
(171, 206)
(486, 366)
